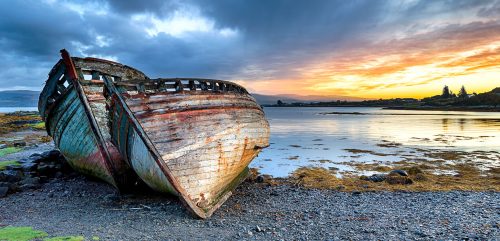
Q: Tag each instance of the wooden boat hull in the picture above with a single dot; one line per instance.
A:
(75, 115)
(195, 144)
(72, 134)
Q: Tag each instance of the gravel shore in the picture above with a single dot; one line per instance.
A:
(256, 211)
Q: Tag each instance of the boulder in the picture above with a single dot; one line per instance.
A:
(13, 187)
(58, 175)
(374, 178)
(15, 167)
(45, 170)
(19, 143)
(260, 179)
(35, 158)
(10, 176)
(53, 155)
(26, 187)
(29, 166)
(399, 172)
(30, 180)
(3, 191)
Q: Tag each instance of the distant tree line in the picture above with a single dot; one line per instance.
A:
(447, 93)
(446, 98)
(463, 98)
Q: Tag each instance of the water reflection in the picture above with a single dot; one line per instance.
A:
(312, 135)
(445, 124)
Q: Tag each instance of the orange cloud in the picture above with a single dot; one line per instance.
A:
(413, 66)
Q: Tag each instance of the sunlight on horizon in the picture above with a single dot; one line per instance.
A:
(393, 76)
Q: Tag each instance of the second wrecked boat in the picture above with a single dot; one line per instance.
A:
(193, 138)
(190, 137)
(73, 108)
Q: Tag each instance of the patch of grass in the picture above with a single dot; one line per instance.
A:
(4, 164)
(16, 121)
(322, 161)
(66, 238)
(44, 139)
(10, 233)
(389, 144)
(469, 178)
(95, 238)
(316, 177)
(21, 233)
(38, 126)
(9, 150)
(446, 155)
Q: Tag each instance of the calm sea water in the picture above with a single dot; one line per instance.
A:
(12, 109)
(311, 137)
(339, 136)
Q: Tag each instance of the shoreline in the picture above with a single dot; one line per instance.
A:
(448, 108)
(79, 206)
(310, 204)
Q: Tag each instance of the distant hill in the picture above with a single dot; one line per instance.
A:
(19, 98)
(272, 99)
(28, 98)
(491, 98)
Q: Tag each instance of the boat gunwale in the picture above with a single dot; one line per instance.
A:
(175, 85)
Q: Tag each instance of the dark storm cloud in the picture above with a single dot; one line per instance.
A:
(137, 6)
(273, 39)
(31, 35)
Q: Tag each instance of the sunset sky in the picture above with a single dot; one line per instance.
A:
(367, 49)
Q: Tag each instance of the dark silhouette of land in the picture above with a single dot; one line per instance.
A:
(19, 98)
(447, 100)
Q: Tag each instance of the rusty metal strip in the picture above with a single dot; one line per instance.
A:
(71, 70)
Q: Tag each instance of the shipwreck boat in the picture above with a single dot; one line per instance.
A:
(73, 107)
(190, 137)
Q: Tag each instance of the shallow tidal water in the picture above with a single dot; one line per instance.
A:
(13, 109)
(337, 137)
